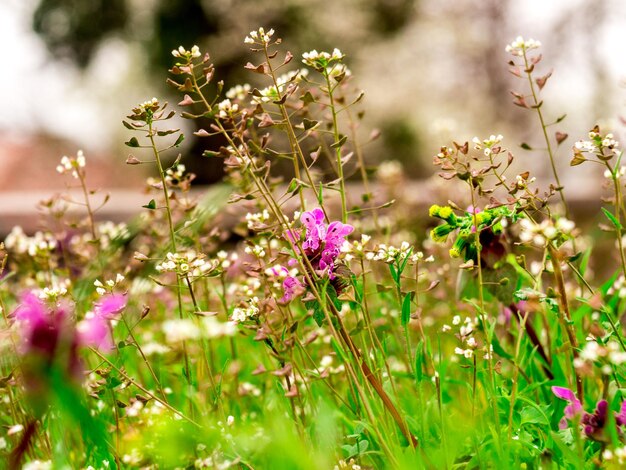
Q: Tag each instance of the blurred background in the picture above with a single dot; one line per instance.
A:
(432, 70)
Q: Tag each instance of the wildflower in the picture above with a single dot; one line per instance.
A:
(322, 243)
(182, 52)
(72, 165)
(259, 36)
(322, 60)
(94, 329)
(179, 330)
(592, 423)
(520, 46)
(239, 92)
(243, 314)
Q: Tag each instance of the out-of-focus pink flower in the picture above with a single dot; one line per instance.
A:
(94, 330)
(110, 305)
(40, 325)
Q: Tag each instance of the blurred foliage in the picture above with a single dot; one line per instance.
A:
(73, 30)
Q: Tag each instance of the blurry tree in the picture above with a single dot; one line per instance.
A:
(73, 29)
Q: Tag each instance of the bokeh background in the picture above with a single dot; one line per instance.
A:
(432, 70)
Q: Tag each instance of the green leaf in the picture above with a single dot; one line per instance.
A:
(340, 142)
(168, 132)
(179, 141)
(560, 118)
(133, 142)
(525, 146)
(309, 124)
(616, 223)
(151, 205)
(406, 309)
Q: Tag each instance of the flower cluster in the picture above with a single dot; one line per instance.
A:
(322, 243)
(260, 37)
(322, 60)
(593, 424)
(239, 92)
(40, 244)
(602, 146)
(56, 290)
(109, 285)
(487, 145)
(227, 109)
(287, 280)
(245, 313)
(178, 330)
(546, 231)
(189, 263)
(492, 219)
(257, 220)
(182, 52)
(274, 93)
(72, 164)
(519, 46)
(605, 355)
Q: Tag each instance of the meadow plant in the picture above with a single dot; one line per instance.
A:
(309, 326)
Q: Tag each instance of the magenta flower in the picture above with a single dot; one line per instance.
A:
(572, 410)
(322, 243)
(41, 325)
(592, 423)
(94, 330)
(110, 305)
(292, 288)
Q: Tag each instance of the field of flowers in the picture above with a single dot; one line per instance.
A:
(310, 321)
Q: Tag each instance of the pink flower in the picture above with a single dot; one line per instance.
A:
(110, 305)
(592, 423)
(322, 243)
(292, 288)
(94, 330)
(573, 409)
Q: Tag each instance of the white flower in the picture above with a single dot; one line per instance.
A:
(179, 330)
(259, 37)
(242, 314)
(519, 46)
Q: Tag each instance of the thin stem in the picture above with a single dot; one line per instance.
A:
(537, 106)
(142, 388)
(342, 184)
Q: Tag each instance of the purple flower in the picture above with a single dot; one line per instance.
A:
(292, 288)
(322, 243)
(572, 410)
(94, 330)
(592, 423)
(110, 305)
(40, 325)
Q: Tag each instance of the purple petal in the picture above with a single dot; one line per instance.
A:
(312, 218)
(564, 393)
(602, 408)
(95, 332)
(31, 310)
(572, 410)
(621, 417)
(110, 305)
